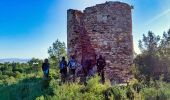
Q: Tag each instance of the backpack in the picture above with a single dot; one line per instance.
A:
(72, 64)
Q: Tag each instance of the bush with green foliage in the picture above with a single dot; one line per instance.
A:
(18, 81)
(19, 86)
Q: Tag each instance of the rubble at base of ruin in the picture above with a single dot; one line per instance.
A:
(104, 29)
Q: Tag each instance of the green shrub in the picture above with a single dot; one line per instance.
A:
(137, 87)
(130, 93)
(17, 74)
(155, 94)
(2, 77)
(116, 93)
(25, 86)
(8, 72)
(40, 98)
(94, 86)
(74, 91)
(18, 70)
(54, 74)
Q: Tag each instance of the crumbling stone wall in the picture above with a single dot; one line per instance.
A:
(104, 29)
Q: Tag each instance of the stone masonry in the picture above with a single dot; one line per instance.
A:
(104, 29)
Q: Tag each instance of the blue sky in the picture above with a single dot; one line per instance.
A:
(29, 27)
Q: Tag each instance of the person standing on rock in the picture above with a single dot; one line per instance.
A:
(101, 63)
(72, 64)
(45, 68)
(63, 69)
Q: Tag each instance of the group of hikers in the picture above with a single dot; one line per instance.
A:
(69, 69)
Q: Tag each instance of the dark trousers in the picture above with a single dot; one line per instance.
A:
(73, 72)
(46, 73)
(63, 74)
(101, 74)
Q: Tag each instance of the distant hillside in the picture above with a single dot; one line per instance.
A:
(20, 60)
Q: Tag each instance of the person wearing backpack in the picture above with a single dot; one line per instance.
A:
(45, 68)
(72, 64)
(63, 69)
(101, 63)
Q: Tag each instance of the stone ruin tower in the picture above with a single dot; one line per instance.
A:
(104, 29)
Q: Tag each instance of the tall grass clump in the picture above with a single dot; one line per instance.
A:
(75, 91)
